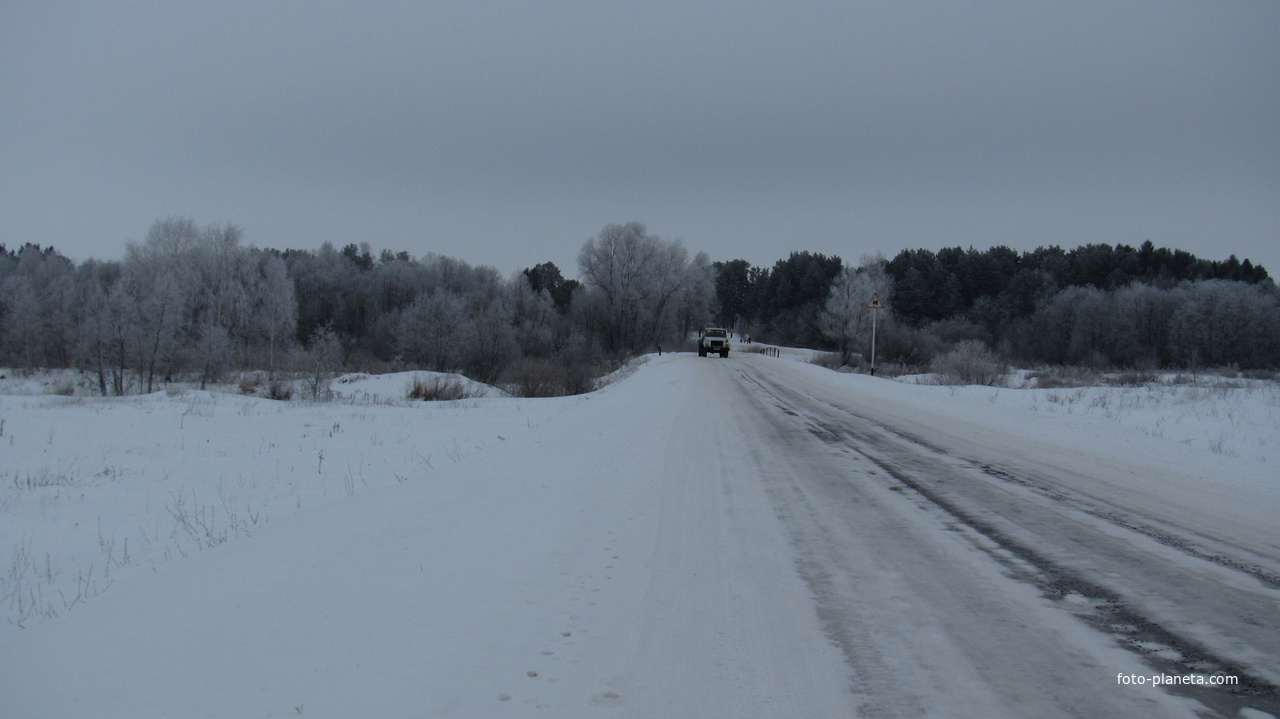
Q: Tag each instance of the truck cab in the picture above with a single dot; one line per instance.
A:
(713, 340)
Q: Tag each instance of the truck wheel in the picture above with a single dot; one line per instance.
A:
(702, 351)
(724, 353)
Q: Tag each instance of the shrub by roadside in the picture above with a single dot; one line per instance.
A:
(971, 362)
(438, 388)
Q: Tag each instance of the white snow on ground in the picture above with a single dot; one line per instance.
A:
(376, 389)
(1227, 416)
(92, 489)
(210, 554)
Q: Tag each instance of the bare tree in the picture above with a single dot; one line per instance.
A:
(323, 358)
(119, 334)
(88, 315)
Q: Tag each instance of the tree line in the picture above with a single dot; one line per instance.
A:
(196, 302)
(1101, 305)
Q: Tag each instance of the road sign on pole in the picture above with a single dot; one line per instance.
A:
(875, 304)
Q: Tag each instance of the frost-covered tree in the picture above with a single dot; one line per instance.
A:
(1070, 327)
(33, 284)
(273, 305)
(1142, 316)
(1209, 322)
(846, 319)
(433, 330)
(537, 322)
(220, 308)
(488, 341)
(22, 322)
(1223, 322)
(698, 304)
(120, 334)
(159, 284)
(636, 279)
(323, 358)
(87, 315)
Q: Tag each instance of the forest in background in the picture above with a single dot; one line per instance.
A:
(194, 303)
(1097, 305)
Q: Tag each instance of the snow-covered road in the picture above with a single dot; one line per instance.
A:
(1044, 539)
(741, 537)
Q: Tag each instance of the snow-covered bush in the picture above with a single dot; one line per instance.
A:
(439, 388)
(971, 362)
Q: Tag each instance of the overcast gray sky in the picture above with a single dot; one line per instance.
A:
(507, 134)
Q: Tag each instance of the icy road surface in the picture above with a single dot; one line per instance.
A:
(742, 537)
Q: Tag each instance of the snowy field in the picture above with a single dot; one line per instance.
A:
(1212, 415)
(95, 489)
(204, 553)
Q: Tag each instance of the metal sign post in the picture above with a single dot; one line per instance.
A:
(875, 304)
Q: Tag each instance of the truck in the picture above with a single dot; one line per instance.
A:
(712, 340)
